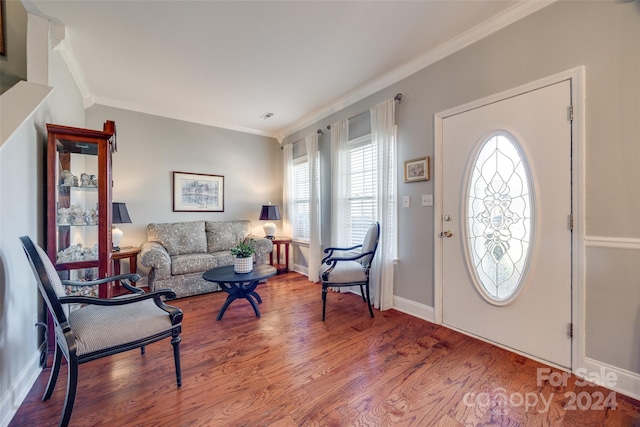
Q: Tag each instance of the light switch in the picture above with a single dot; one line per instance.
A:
(427, 200)
(406, 201)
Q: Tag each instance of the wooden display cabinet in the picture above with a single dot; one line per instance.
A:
(79, 183)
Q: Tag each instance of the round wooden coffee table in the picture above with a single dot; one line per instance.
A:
(239, 285)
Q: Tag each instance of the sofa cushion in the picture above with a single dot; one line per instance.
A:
(179, 238)
(222, 236)
(192, 263)
(224, 258)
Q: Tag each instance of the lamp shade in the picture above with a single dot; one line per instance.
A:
(120, 214)
(269, 213)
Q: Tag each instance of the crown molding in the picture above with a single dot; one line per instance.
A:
(480, 31)
(57, 34)
(176, 115)
(69, 56)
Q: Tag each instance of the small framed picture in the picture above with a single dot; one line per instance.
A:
(416, 169)
(198, 192)
(2, 51)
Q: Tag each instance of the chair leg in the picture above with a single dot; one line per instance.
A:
(362, 293)
(369, 300)
(175, 341)
(55, 370)
(142, 350)
(324, 300)
(72, 383)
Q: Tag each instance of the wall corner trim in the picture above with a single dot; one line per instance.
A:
(415, 309)
(19, 389)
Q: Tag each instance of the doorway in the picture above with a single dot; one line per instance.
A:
(505, 211)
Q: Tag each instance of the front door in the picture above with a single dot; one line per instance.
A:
(506, 233)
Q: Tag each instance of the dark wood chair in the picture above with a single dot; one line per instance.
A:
(101, 327)
(350, 267)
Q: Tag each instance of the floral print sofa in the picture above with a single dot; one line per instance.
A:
(178, 253)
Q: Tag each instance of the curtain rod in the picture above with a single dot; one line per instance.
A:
(319, 131)
(398, 98)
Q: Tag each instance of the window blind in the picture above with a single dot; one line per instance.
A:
(361, 189)
(301, 196)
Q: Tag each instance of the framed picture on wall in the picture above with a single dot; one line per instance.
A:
(416, 169)
(2, 51)
(198, 192)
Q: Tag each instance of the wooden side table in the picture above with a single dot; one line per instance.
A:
(277, 242)
(124, 253)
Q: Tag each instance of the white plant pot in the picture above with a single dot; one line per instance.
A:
(243, 265)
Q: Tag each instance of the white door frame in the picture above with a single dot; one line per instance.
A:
(576, 76)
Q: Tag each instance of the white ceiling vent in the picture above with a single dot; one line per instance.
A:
(267, 115)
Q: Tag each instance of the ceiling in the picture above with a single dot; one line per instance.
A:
(226, 63)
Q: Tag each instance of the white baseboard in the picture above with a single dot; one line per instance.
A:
(301, 269)
(19, 389)
(414, 309)
(626, 382)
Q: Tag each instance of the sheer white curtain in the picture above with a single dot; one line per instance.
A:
(339, 138)
(383, 136)
(315, 245)
(287, 192)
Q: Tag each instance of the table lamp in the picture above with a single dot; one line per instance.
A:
(269, 213)
(120, 215)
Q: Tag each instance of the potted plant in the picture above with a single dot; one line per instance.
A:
(243, 256)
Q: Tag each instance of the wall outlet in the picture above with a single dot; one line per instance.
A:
(427, 200)
(406, 201)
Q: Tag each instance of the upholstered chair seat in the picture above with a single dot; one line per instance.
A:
(88, 324)
(345, 272)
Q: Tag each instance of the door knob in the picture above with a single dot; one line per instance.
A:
(446, 233)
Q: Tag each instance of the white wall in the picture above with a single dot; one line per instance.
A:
(22, 193)
(150, 148)
(13, 65)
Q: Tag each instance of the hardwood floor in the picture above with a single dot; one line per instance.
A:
(289, 368)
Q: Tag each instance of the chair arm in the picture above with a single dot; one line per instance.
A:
(263, 247)
(334, 260)
(130, 276)
(342, 249)
(155, 256)
(175, 314)
(330, 251)
(122, 278)
(128, 299)
(330, 256)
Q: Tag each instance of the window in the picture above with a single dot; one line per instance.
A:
(499, 217)
(361, 188)
(301, 195)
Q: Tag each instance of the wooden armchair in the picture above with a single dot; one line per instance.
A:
(134, 321)
(350, 266)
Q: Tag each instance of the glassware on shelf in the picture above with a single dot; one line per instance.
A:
(77, 253)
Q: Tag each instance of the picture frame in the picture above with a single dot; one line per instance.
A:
(417, 170)
(198, 192)
(3, 52)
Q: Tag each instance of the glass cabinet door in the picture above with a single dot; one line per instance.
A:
(77, 206)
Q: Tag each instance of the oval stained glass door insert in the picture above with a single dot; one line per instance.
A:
(499, 218)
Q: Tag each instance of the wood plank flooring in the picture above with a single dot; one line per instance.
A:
(289, 368)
